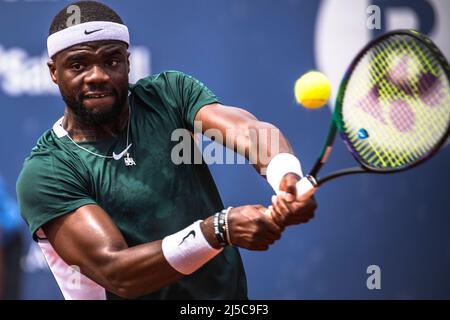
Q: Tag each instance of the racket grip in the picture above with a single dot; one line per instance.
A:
(306, 187)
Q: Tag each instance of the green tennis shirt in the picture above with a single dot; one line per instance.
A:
(147, 201)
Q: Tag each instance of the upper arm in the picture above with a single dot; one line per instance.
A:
(49, 187)
(57, 198)
(87, 238)
(225, 119)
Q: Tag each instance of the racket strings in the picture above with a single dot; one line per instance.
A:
(400, 118)
(366, 149)
(409, 86)
(437, 122)
(405, 105)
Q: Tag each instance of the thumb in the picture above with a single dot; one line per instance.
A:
(266, 211)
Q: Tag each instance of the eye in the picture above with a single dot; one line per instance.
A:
(76, 66)
(113, 63)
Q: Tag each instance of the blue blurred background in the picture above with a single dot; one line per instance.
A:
(250, 53)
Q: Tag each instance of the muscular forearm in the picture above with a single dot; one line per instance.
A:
(101, 253)
(88, 238)
(269, 141)
(137, 271)
(240, 131)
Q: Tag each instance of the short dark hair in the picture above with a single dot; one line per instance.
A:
(90, 11)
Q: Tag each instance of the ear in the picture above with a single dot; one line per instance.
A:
(128, 61)
(53, 72)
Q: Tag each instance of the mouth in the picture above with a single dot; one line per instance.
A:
(95, 100)
(96, 95)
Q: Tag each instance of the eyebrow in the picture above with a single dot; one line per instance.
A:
(76, 56)
(85, 56)
(112, 51)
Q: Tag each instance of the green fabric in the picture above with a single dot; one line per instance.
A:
(148, 201)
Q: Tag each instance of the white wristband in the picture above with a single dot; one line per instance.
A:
(187, 250)
(280, 165)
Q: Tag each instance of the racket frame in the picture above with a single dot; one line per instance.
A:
(337, 123)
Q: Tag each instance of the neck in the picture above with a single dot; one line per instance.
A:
(80, 131)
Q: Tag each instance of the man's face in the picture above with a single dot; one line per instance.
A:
(93, 79)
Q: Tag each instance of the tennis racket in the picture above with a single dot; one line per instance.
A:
(392, 109)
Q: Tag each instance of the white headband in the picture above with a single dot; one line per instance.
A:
(85, 32)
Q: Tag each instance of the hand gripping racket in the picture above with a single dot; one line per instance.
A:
(392, 109)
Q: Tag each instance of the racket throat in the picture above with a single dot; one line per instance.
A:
(306, 187)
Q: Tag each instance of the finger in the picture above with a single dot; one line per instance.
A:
(259, 206)
(305, 211)
(272, 223)
(276, 237)
(273, 227)
(270, 237)
(281, 204)
(276, 217)
(277, 207)
(268, 213)
(302, 212)
(289, 195)
(289, 185)
(309, 207)
(256, 247)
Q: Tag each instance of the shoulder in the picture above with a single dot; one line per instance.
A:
(171, 84)
(36, 169)
(160, 80)
(166, 87)
(41, 154)
(48, 161)
(163, 76)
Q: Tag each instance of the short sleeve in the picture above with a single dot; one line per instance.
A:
(49, 187)
(181, 91)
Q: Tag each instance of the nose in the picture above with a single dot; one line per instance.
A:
(96, 75)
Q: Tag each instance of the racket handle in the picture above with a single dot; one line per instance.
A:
(306, 187)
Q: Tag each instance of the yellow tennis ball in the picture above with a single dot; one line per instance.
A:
(312, 90)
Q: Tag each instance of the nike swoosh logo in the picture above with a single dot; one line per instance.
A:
(192, 232)
(120, 155)
(89, 32)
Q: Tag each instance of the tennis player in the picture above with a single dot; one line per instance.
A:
(114, 216)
